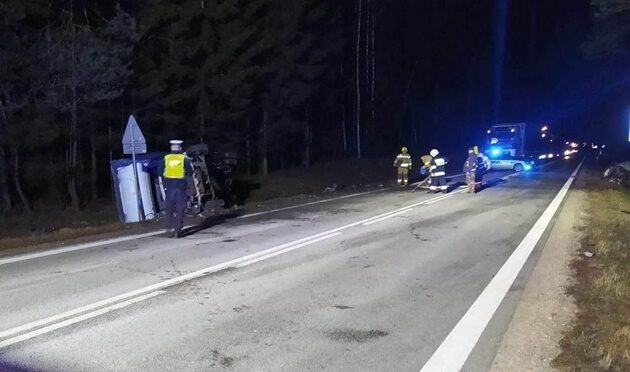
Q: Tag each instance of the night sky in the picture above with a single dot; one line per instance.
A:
(546, 78)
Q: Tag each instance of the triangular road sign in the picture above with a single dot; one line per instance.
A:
(133, 140)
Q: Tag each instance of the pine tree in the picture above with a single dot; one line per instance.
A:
(17, 35)
(81, 65)
(303, 45)
(198, 68)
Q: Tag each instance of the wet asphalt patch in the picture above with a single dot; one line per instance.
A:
(225, 361)
(355, 335)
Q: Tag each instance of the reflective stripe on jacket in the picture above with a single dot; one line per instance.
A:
(403, 161)
(438, 166)
(174, 166)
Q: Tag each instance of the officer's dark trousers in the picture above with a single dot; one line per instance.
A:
(174, 207)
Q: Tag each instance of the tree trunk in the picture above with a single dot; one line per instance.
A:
(109, 131)
(373, 61)
(358, 78)
(4, 161)
(202, 127)
(343, 128)
(408, 88)
(73, 145)
(248, 150)
(308, 139)
(4, 180)
(344, 133)
(16, 179)
(262, 146)
(93, 173)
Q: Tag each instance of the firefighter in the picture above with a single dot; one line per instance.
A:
(438, 172)
(403, 163)
(470, 168)
(174, 170)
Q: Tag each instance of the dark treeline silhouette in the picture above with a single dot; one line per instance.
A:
(283, 83)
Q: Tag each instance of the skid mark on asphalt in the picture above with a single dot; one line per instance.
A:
(355, 335)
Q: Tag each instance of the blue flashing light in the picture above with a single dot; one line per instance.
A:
(528, 167)
(495, 152)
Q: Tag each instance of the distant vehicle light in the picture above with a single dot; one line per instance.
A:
(489, 131)
(573, 144)
(542, 157)
(567, 152)
(544, 135)
(603, 146)
(567, 157)
(550, 156)
(543, 129)
(512, 130)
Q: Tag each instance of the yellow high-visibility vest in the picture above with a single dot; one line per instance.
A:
(174, 166)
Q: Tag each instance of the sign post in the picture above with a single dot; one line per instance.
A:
(134, 143)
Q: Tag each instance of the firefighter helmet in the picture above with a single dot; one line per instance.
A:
(434, 153)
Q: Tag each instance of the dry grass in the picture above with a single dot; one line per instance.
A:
(599, 339)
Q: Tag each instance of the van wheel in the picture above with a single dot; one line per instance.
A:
(519, 167)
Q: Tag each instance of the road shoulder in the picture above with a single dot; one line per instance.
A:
(545, 311)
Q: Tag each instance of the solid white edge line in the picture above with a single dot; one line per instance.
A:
(386, 217)
(453, 352)
(55, 251)
(69, 322)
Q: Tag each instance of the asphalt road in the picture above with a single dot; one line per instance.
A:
(374, 282)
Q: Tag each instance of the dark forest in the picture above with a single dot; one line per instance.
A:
(287, 83)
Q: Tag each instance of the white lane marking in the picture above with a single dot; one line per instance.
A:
(386, 217)
(100, 243)
(236, 263)
(307, 204)
(448, 176)
(452, 354)
(71, 321)
(122, 239)
(289, 249)
(439, 200)
(199, 273)
(167, 283)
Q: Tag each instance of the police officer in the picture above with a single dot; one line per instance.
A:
(438, 172)
(403, 163)
(470, 169)
(175, 168)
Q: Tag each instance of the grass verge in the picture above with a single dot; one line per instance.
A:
(599, 339)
